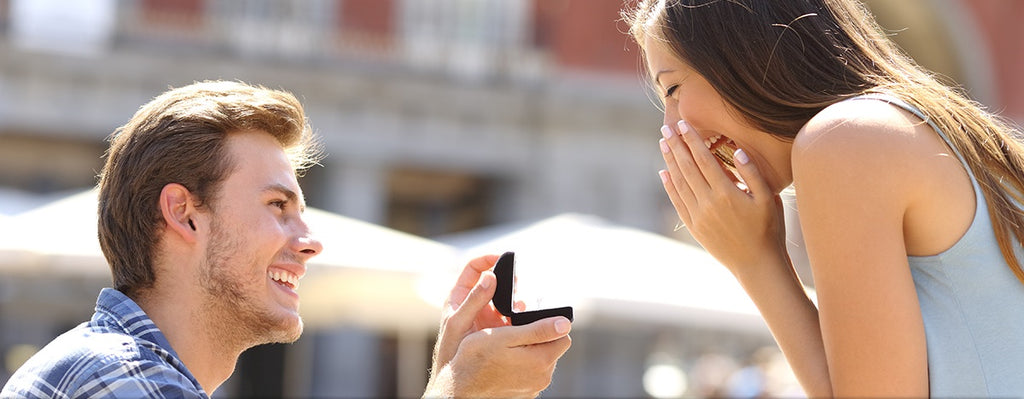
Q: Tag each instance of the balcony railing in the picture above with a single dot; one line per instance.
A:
(467, 39)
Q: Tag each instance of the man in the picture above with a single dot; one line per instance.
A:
(200, 219)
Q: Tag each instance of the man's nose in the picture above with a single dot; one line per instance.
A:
(305, 243)
(308, 246)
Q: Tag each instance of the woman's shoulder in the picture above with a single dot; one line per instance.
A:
(862, 127)
(875, 151)
(864, 138)
(877, 144)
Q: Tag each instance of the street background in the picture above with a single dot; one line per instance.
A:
(453, 128)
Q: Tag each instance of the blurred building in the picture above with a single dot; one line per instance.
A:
(438, 116)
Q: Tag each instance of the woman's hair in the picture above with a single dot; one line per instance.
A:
(777, 63)
(179, 137)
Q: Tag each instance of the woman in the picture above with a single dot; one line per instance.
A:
(908, 193)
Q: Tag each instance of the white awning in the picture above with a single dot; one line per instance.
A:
(366, 275)
(606, 270)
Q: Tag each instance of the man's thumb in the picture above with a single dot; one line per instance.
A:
(540, 331)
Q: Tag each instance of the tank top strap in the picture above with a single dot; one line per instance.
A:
(914, 110)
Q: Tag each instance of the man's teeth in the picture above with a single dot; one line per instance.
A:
(284, 277)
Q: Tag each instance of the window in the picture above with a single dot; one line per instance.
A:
(430, 203)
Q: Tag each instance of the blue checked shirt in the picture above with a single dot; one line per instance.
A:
(120, 353)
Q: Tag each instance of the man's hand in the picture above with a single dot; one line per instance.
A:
(478, 354)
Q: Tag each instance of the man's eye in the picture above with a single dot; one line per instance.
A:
(278, 203)
(670, 91)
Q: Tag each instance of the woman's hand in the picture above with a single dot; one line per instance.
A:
(738, 222)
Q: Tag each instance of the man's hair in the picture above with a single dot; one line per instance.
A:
(179, 137)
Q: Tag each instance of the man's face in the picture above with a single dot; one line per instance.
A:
(258, 245)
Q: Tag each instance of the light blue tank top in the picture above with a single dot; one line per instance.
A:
(972, 305)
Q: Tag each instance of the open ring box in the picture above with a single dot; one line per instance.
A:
(504, 270)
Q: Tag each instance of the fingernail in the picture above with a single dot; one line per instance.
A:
(485, 282)
(741, 157)
(562, 325)
(666, 131)
(664, 146)
(663, 174)
(683, 127)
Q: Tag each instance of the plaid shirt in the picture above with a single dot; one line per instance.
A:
(119, 353)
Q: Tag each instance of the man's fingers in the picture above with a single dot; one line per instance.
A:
(545, 355)
(538, 332)
(560, 346)
(459, 322)
(471, 273)
(468, 279)
(478, 297)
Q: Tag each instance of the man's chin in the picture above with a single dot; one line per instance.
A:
(284, 331)
(297, 333)
(292, 333)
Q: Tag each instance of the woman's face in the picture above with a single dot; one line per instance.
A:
(689, 97)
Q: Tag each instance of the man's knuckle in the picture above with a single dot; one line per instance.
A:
(449, 323)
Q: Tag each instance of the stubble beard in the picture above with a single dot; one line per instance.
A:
(237, 314)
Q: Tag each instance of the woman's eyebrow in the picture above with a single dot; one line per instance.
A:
(657, 76)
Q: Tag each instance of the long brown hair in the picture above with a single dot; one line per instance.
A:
(179, 137)
(778, 63)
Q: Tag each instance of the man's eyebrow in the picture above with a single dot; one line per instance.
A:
(288, 193)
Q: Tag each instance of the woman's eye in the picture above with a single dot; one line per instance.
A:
(671, 90)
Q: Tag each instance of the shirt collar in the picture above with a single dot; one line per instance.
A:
(115, 308)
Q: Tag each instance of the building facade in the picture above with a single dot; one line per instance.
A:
(438, 116)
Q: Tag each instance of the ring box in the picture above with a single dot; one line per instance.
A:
(504, 270)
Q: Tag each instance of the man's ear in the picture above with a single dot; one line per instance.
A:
(178, 209)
